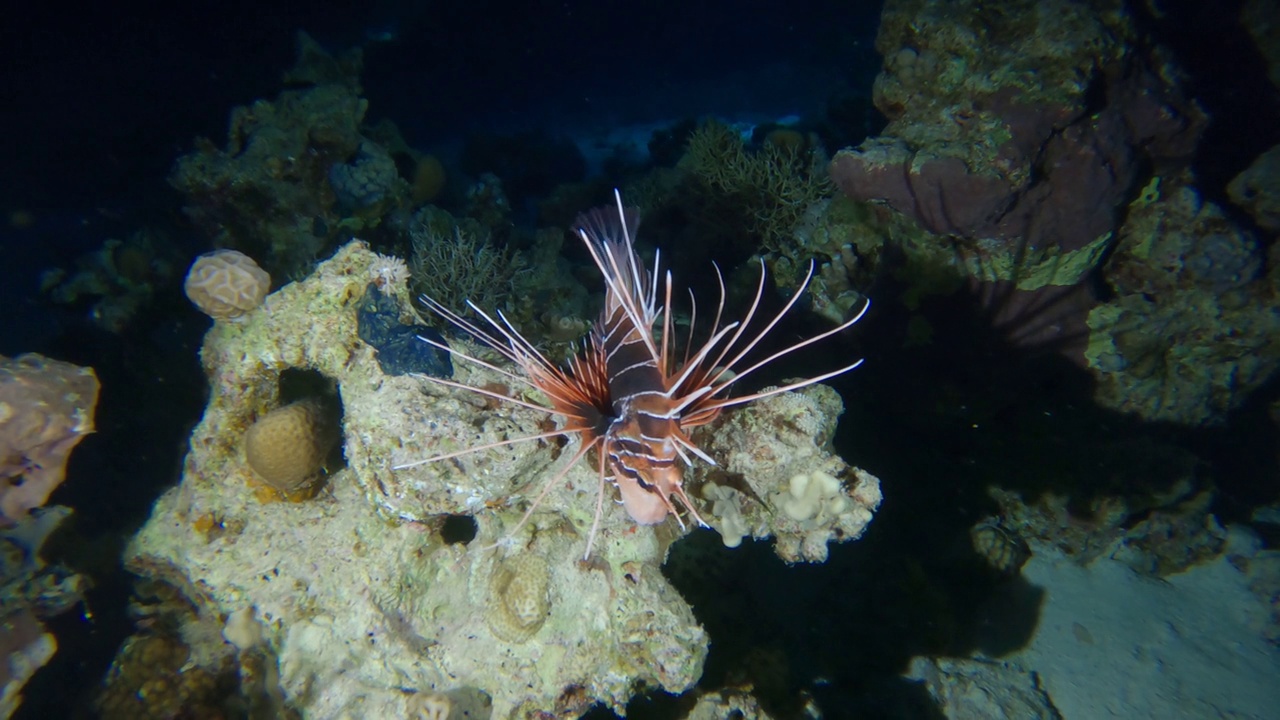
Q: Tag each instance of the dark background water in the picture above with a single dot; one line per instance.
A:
(98, 100)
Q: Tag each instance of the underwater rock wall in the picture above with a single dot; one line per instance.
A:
(1037, 158)
(365, 606)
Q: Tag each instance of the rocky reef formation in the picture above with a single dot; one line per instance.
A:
(296, 173)
(1022, 124)
(1037, 157)
(46, 408)
(367, 597)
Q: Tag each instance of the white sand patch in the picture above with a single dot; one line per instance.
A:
(1112, 643)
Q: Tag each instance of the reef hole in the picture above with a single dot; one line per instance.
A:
(455, 529)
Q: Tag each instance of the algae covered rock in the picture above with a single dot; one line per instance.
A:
(364, 603)
(1191, 331)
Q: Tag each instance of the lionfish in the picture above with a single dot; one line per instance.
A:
(624, 394)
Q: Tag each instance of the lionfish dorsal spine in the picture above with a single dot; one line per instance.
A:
(609, 237)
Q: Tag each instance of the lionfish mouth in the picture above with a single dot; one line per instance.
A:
(628, 393)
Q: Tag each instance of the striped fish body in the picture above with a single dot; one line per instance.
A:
(640, 442)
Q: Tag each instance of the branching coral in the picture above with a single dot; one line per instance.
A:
(775, 184)
(460, 264)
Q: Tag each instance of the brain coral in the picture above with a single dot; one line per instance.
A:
(287, 446)
(518, 603)
(226, 284)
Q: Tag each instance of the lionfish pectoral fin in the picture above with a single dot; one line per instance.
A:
(692, 510)
(542, 494)
(479, 448)
(595, 522)
(683, 444)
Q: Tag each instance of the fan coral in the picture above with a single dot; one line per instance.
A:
(226, 284)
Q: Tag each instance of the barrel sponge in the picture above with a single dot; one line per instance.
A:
(226, 284)
(518, 598)
(286, 447)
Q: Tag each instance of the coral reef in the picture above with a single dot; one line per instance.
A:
(991, 134)
(1021, 144)
(487, 202)
(121, 278)
(25, 647)
(1152, 514)
(1257, 190)
(296, 172)
(1192, 330)
(31, 590)
(226, 284)
(366, 181)
(370, 610)
(46, 408)
(996, 152)
(779, 478)
(773, 185)
(453, 262)
(152, 678)
(1001, 548)
(968, 689)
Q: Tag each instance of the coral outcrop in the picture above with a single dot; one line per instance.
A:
(1192, 330)
(991, 131)
(779, 478)
(296, 173)
(1038, 155)
(25, 646)
(366, 604)
(46, 408)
